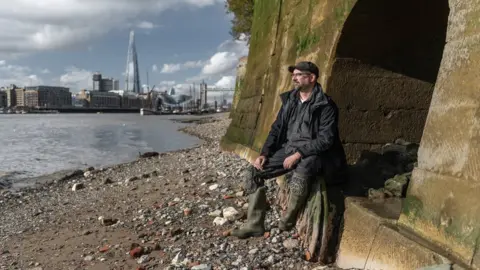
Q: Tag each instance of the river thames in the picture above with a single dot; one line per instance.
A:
(36, 144)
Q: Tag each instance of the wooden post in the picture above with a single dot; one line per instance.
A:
(319, 223)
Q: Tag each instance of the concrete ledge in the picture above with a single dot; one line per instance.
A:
(371, 240)
(362, 220)
(392, 250)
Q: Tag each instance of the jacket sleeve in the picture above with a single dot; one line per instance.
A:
(325, 134)
(271, 142)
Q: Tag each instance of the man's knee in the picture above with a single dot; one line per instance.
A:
(308, 166)
(251, 182)
(299, 184)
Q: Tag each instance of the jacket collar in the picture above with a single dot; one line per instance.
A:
(318, 96)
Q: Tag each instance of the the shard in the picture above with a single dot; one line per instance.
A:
(132, 78)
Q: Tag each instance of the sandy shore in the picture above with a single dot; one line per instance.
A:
(168, 211)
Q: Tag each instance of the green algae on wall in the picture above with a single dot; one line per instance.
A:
(283, 32)
(251, 88)
(239, 82)
(291, 30)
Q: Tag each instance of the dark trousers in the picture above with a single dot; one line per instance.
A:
(307, 168)
(273, 167)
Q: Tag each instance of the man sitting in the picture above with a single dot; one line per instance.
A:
(304, 139)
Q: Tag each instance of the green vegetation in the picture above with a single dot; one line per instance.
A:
(412, 207)
(305, 37)
(242, 11)
(305, 42)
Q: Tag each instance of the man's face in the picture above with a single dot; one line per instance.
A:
(302, 79)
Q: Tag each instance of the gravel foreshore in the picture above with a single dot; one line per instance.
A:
(166, 211)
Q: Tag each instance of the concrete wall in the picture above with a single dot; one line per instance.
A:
(283, 31)
(377, 105)
(379, 65)
(443, 202)
(381, 61)
(239, 81)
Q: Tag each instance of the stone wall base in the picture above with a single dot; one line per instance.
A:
(372, 239)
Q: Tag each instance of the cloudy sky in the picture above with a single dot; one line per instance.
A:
(62, 42)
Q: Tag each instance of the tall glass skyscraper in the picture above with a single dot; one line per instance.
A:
(132, 77)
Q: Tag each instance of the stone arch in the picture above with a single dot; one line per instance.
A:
(384, 70)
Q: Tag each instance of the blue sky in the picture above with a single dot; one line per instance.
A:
(62, 42)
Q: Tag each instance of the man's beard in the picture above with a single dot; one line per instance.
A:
(302, 88)
(297, 86)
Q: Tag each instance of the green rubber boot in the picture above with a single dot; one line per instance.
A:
(257, 207)
(296, 200)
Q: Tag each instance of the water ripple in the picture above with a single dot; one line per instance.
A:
(32, 145)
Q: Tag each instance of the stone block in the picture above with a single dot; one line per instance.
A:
(361, 221)
(464, 21)
(444, 210)
(445, 266)
(393, 250)
(364, 87)
(376, 127)
(450, 142)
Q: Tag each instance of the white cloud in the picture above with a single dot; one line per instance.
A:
(18, 75)
(40, 25)
(220, 63)
(226, 82)
(193, 64)
(239, 47)
(76, 79)
(146, 25)
(164, 85)
(154, 68)
(45, 71)
(183, 86)
(172, 68)
(224, 62)
(226, 59)
(167, 82)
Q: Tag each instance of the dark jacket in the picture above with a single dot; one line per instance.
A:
(323, 127)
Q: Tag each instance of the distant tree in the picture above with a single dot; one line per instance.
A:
(243, 17)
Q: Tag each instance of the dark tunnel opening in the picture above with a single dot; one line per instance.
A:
(382, 79)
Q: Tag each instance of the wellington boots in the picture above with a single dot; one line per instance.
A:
(298, 195)
(257, 207)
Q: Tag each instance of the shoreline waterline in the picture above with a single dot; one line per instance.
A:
(19, 180)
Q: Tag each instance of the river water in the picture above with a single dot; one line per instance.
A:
(33, 144)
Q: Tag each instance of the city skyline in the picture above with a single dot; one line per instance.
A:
(177, 44)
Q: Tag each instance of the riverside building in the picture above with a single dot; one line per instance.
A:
(47, 96)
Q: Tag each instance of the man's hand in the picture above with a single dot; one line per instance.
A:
(290, 161)
(259, 162)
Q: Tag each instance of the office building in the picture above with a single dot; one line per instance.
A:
(104, 84)
(129, 100)
(132, 76)
(11, 97)
(203, 96)
(47, 96)
(20, 97)
(3, 99)
(98, 99)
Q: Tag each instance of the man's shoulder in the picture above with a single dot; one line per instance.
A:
(286, 95)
